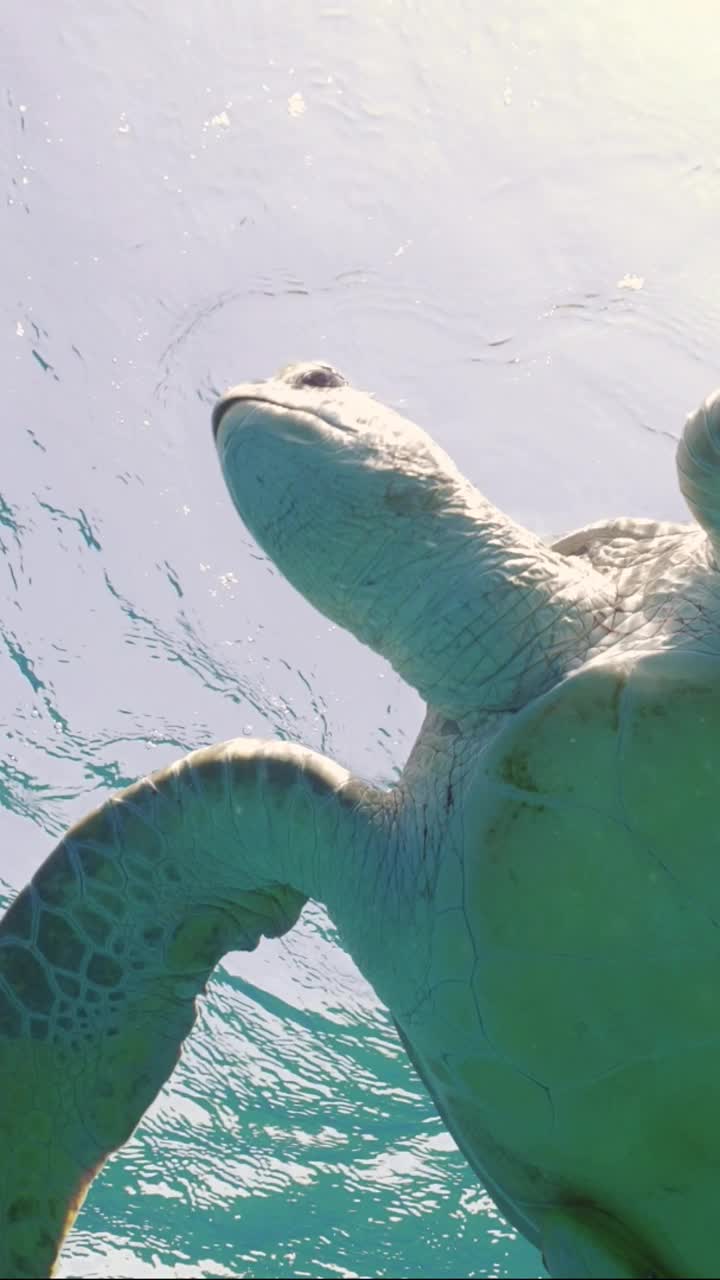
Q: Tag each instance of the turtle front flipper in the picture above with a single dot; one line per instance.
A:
(104, 952)
(582, 1243)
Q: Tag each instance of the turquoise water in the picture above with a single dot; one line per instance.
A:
(505, 224)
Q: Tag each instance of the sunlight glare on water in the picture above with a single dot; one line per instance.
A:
(501, 219)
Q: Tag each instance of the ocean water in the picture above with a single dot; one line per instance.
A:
(503, 220)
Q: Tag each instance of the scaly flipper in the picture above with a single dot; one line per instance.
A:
(104, 952)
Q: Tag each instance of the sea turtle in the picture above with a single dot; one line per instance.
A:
(537, 901)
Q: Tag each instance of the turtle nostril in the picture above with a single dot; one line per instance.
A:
(314, 375)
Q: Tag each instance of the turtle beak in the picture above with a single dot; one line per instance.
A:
(230, 397)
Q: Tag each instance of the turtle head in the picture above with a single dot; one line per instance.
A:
(374, 524)
(342, 493)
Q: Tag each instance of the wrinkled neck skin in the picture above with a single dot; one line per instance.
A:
(664, 579)
(506, 616)
(483, 616)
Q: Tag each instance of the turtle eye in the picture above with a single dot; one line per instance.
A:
(314, 375)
